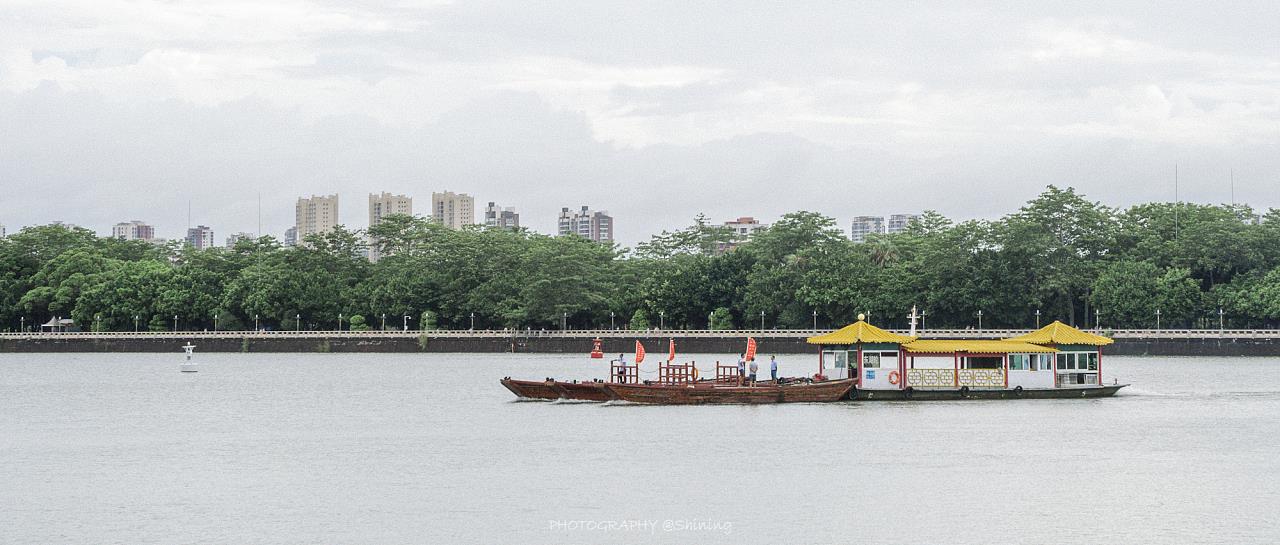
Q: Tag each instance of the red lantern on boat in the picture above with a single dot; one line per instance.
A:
(596, 352)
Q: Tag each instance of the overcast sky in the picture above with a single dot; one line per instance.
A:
(656, 111)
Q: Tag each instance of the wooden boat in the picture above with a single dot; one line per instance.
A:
(719, 393)
(551, 389)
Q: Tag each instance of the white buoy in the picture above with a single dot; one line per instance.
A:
(189, 366)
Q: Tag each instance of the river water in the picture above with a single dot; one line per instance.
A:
(407, 448)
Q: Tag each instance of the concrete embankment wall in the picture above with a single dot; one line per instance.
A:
(554, 345)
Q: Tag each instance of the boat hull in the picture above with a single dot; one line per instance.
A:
(551, 390)
(657, 394)
(952, 394)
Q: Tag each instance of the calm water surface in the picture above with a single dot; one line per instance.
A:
(123, 448)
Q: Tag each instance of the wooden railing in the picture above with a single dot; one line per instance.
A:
(951, 378)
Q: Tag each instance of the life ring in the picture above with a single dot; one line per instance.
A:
(695, 374)
(894, 377)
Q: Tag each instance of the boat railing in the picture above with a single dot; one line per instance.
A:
(675, 373)
(621, 373)
(727, 373)
(955, 378)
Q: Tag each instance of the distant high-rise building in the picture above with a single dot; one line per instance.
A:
(596, 225)
(314, 216)
(745, 226)
(504, 218)
(899, 222)
(866, 225)
(291, 236)
(453, 210)
(381, 206)
(233, 239)
(133, 230)
(200, 237)
(2, 234)
(385, 204)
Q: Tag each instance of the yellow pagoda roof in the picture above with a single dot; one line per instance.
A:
(1060, 333)
(859, 332)
(973, 346)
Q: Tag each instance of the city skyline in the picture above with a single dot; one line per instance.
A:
(859, 225)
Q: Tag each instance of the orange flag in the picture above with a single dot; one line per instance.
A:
(671, 352)
(751, 349)
(639, 352)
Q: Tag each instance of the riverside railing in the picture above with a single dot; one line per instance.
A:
(1136, 334)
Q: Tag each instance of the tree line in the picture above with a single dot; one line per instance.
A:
(1061, 255)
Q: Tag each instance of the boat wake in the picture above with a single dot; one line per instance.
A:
(565, 401)
(1139, 392)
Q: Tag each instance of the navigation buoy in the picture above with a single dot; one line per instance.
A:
(189, 366)
(596, 352)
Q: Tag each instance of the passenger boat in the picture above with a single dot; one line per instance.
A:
(1056, 361)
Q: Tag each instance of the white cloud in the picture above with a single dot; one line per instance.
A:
(674, 99)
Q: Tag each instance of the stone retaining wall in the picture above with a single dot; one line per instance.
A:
(657, 346)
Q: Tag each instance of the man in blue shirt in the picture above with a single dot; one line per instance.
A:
(773, 368)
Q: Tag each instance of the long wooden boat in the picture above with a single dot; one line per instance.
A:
(687, 394)
(551, 389)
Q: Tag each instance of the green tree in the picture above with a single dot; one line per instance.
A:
(722, 320)
(1127, 292)
(640, 320)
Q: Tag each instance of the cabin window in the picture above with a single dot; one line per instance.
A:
(871, 360)
(837, 358)
(1062, 362)
(981, 362)
(875, 360)
(1018, 362)
(1041, 362)
(1093, 361)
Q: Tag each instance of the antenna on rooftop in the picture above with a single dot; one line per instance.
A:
(1177, 203)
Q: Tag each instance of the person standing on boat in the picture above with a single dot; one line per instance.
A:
(742, 370)
(773, 368)
(755, 367)
(622, 369)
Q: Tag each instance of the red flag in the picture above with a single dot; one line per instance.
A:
(751, 349)
(639, 352)
(671, 352)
